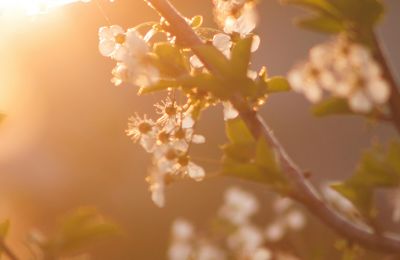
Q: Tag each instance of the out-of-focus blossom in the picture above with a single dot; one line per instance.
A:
(343, 69)
(238, 206)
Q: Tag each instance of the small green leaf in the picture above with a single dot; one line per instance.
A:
(324, 24)
(159, 86)
(4, 229)
(213, 57)
(321, 6)
(393, 157)
(247, 171)
(196, 21)
(364, 13)
(277, 84)
(332, 106)
(360, 196)
(78, 229)
(239, 152)
(170, 59)
(240, 58)
(266, 157)
(237, 132)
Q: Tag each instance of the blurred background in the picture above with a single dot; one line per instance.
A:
(63, 143)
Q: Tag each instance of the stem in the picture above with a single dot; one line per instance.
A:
(394, 100)
(303, 191)
(7, 251)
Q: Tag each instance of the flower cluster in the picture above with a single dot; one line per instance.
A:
(130, 51)
(345, 70)
(168, 139)
(236, 16)
(240, 238)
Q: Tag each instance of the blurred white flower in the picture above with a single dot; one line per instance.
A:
(180, 251)
(262, 254)
(344, 69)
(246, 239)
(208, 251)
(238, 206)
(275, 231)
(182, 230)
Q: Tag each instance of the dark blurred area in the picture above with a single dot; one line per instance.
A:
(63, 143)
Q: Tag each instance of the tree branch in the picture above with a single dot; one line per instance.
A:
(303, 191)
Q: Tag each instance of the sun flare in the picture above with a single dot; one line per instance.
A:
(33, 7)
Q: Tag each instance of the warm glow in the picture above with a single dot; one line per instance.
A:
(32, 7)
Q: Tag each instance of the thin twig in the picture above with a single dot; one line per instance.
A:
(303, 191)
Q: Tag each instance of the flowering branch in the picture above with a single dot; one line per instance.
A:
(302, 189)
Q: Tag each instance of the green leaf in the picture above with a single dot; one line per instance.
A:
(247, 171)
(239, 152)
(377, 169)
(322, 6)
(364, 13)
(277, 84)
(237, 132)
(323, 24)
(360, 196)
(196, 21)
(240, 59)
(4, 229)
(170, 59)
(332, 106)
(393, 157)
(159, 86)
(214, 57)
(83, 226)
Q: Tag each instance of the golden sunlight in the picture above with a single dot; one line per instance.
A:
(32, 7)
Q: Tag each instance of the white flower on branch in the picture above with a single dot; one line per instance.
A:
(245, 23)
(343, 69)
(130, 51)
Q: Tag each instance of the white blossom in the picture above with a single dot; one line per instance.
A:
(343, 69)
(239, 206)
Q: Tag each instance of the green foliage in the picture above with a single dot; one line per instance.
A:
(4, 229)
(215, 58)
(277, 84)
(377, 169)
(240, 59)
(196, 21)
(238, 133)
(170, 62)
(250, 159)
(323, 24)
(77, 230)
(332, 106)
(357, 17)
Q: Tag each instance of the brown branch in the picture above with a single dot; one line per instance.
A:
(303, 191)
